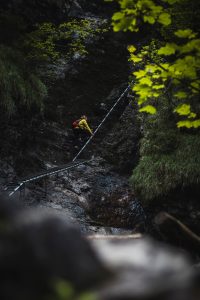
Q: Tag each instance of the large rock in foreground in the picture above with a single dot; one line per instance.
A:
(39, 250)
(144, 269)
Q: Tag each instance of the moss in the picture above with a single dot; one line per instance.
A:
(18, 86)
(29, 52)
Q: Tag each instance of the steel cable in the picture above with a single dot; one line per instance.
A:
(48, 173)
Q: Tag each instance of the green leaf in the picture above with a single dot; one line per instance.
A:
(139, 74)
(135, 58)
(64, 290)
(151, 68)
(168, 49)
(164, 19)
(87, 296)
(193, 45)
(183, 109)
(185, 123)
(196, 86)
(186, 33)
(117, 16)
(192, 115)
(148, 109)
(131, 49)
(146, 81)
(196, 123)
(149, 19)
(180, 95)
(170, 1)
(189, 124)
(158, 86)
(156, 95)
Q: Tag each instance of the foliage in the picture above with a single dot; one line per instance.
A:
(134, 11)
(173, 65)
(18, 87)
(48, 41)
(65, 291)
(25, 55)
(169, 158)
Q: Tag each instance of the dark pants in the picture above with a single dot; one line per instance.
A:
(80, 135)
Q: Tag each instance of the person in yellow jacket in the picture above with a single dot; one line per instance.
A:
(81, 128)
(84, 125)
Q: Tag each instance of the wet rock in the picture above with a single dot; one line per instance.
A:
(118, 209)
(91, 194)
(121, 145)
(104, 195)
(39, 248)
(177, 233)
(35, 10)
(75, 9)
(7, 173)
(145, 269)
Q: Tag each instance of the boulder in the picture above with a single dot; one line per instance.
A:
(38, 249)
(145, 269)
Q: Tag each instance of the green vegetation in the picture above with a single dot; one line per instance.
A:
(65, 291)
(48, 42)
(166, 85)
(173, 64)
(18, 86)
(26, 51)
(169, 157)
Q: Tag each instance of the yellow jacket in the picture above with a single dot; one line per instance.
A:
(84, 125)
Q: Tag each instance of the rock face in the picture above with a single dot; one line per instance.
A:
(55, 10)
(84, 85)
(105, 196)
(93, 189)
(145, 269)
(79, 85)
(39, 250)
(120, 147)
(37, 10)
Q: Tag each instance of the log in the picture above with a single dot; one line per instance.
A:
(114, 237)
(176, 232)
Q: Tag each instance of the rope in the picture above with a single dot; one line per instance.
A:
(77, 155)
(45, 175)
(16, 189)
(99, 126)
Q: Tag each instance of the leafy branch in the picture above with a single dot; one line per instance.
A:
(178, 62)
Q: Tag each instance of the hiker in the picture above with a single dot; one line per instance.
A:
(81, 128)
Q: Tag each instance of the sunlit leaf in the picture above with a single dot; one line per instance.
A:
(186, 33)
(189, 124)
(192, 115)
(117, 16)
(183, 109)
(139, 74)
(131, 49)
(148, 109)
(158, 86)
(168, 49)
(180, 95)
(149, 19)
(146, 81)
(135, 58)
(185, 123)
(164, 19)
